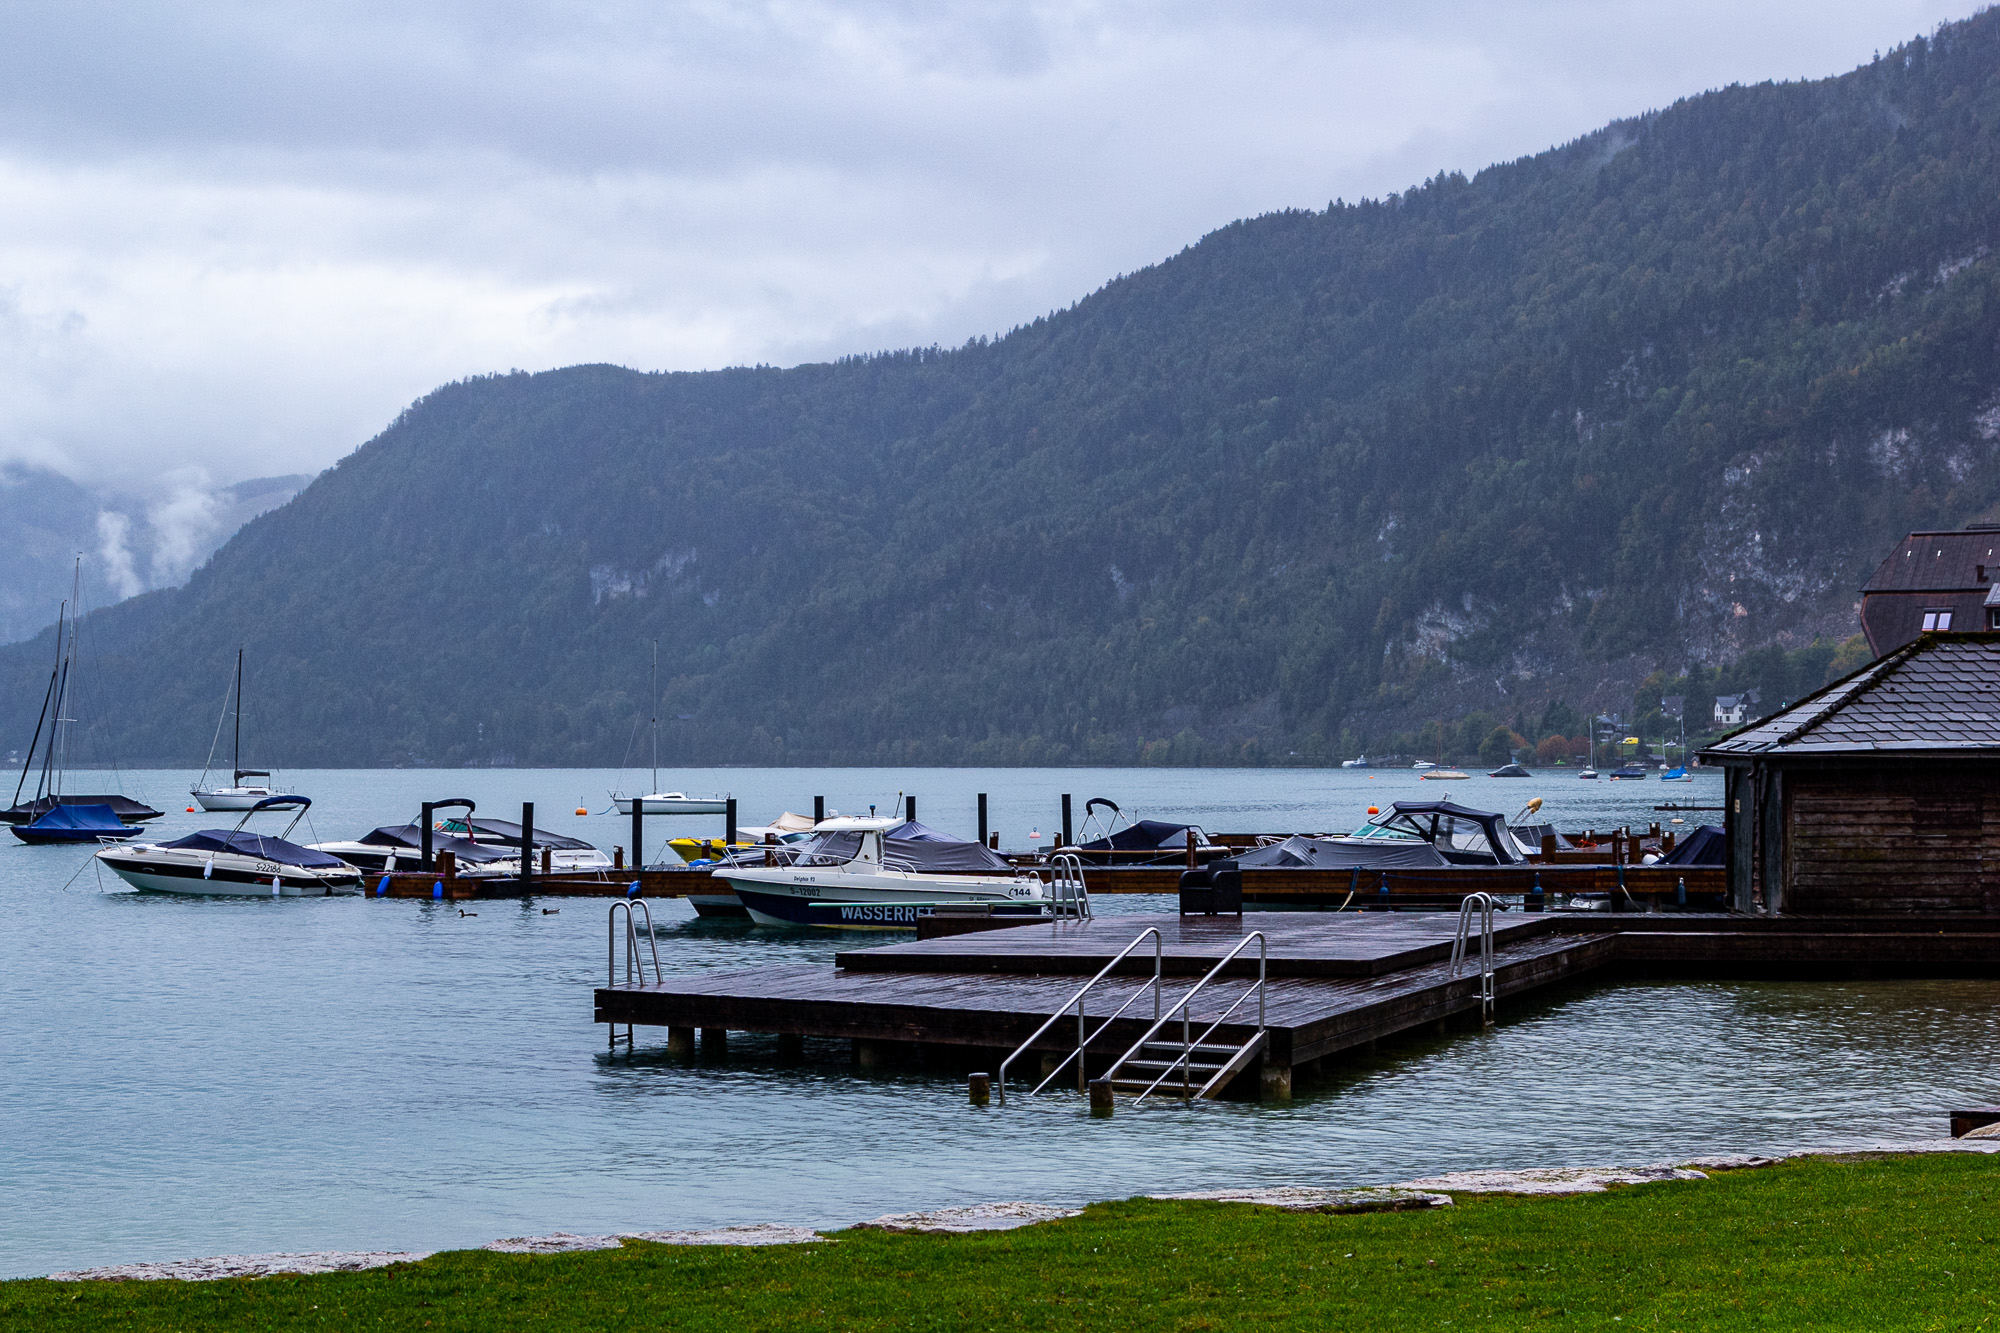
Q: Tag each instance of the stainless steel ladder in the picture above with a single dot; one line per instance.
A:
(1084, 1033)
(635, 962)
(1194, 1057)
(1067, 895)
(1482, 905)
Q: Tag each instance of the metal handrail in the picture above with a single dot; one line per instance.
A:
(1482, 903)
(1182, 1007)
(1000, 1078)
(635, 962)
(1067, 894)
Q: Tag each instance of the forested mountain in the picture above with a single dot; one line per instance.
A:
(1641, 402)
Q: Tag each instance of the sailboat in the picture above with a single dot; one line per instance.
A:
(236, 796)
(659, 802)
(55, 755)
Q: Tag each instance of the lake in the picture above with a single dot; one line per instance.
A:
(181, 1077)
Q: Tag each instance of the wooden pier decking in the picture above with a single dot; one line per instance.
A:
(1337, 982)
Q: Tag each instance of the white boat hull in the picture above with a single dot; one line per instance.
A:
(232, 798)
(154, 875)
(870, 899)
(671, 804)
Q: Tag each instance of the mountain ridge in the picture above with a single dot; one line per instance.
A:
(1646, 400)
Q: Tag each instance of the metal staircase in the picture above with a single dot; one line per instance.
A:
(1193, 1068)
(1480, 904)
(1085, 1034)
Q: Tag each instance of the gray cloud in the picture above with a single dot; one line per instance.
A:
(237, 238)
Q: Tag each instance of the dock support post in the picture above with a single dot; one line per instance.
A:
(1102, 1100)
(638, 833)
(979, 1088)
(1536, 899)
(527, 845)
(425, 834)
(1068, 838)
(982, 819)
(819, 809)
(1274, 1082)
(715, 1042)
(872, 1054)
(680, 1041)
(791, 1046)
(729, 824)
(910, 809)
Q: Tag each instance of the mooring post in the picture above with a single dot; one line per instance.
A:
(680, 1041)
(819, 809)
(1102, 1100)
(638, 833)
(979, 1088)
(910, 809)
(729, 825)
(429, 818)
(1067, 838)
(982, 819)
(527, 844)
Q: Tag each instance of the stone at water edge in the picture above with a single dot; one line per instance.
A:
(221, 1266)
(971, 1217)
(1306, 1199)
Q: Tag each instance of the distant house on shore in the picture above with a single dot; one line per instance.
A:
(1934, 582)
(1733, 710)
(1878, 793)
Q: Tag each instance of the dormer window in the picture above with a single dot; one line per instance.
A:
(1936, 621)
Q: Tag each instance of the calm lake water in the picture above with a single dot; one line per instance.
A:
(182, 1077)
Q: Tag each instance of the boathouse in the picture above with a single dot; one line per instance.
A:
(1878, 793)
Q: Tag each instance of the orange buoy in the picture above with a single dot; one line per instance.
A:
(1374, 810)
(190, 809)
(580, 810)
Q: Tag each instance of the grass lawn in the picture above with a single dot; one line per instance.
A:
(1888, 1243)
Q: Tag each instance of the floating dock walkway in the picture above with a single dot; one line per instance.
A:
(1335, 982)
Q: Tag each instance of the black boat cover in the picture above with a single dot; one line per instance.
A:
(1706, 846)
(1461, 834)
(916, 845)
(508, 832)
(1510, 771)
(1146, 835)
(1298, 852)
(410, 837)
(84, 818)
(259, 845)
(122, 806)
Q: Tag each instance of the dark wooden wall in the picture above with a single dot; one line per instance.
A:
(1887, 837)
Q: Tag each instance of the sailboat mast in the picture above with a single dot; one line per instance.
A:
(236, 764)
(654, 704)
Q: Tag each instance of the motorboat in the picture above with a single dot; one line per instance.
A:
(1423, 766)
(1589, 774)
(1359, 761)
(395, 847)
(1679, 774)
(234, 862)
(1445, 775)
(1129, 842)
(239, 795)
(787, 827)
(1510, 771)
(51, 744)
(1410, 835)
(75, 823)
(561, 855)
(1629, 773)
(877, 873)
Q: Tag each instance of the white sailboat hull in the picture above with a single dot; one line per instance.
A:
(232, 798)
(673, 803)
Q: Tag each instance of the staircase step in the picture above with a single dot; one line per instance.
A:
(1199, 1049)
(1157, 1065)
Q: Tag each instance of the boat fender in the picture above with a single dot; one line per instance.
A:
(632, 889)
(382, 889)
(437, 889)
(274, 886)
(208, 868)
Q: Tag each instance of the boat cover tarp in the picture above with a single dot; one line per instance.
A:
(83, 818)
(920, 846)
(262, 846)
(1464, 831)
(122, 806)
(1297, 852)
(506, 831)
(410, 837)
(1706, 846)
(1146, 835)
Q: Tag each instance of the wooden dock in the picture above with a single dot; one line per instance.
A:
(1337, 982)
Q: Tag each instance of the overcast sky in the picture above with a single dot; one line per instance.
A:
(235, 240)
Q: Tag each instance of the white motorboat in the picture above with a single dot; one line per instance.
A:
(401, 846)
(234, 863)
(239, 795)
(875, 874)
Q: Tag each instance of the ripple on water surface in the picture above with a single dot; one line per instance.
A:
(183, 1077)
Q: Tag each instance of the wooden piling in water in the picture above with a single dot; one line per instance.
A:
(527, 845)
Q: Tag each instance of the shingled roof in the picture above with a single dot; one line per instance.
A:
(1940, 694)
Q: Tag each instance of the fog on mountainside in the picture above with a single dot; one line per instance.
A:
(128, 543)
(1647, 400)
